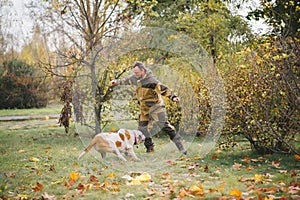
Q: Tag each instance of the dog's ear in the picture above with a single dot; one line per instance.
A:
(121, 131)
(141, 137)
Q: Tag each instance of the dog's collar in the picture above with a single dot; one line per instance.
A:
(135, 139)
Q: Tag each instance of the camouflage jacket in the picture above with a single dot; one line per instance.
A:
(149, 90)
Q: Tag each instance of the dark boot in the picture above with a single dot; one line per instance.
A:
(179, 145)
(149, 145)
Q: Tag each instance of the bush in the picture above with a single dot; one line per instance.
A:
(19, 88)
(263, 95)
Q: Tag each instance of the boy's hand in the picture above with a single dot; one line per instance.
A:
(175, 99)
(113, 82)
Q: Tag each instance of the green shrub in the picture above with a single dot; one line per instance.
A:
(20, 87)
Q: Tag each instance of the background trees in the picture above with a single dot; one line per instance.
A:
(82, 28)
(21, 86)
(3, 42)
(283, 16)
(260, 75)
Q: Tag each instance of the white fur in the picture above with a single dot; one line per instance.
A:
(116, 143)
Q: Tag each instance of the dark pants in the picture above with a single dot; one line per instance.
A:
(155, 122)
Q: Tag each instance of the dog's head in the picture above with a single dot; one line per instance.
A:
(136, 136)
(139, 137)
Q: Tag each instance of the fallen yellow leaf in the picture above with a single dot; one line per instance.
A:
(258, 178)
(135, 182)
(198, 158)
(38, 172)
(33, 159)
(113, 129)
(144, 177)
(56, 182)
(266, 198)
(297, 157)
(235, 193)
(111, 175)
(196, 189)
(183, 193)
(74, 176)
(221, 187)
(23, 196)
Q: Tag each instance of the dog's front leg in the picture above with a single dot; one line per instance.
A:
(117, 152)
(103, 155)
(132, 154)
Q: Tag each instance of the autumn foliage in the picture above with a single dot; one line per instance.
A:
(263, 95)
(66, 98)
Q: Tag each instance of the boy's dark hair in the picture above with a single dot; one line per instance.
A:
(140, 65)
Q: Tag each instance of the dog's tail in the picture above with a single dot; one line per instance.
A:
(88, 148)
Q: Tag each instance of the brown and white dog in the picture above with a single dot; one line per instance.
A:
(116, 142)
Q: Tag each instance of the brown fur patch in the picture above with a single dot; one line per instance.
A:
(118, 143)
(122, 136)
(127, 134)
(102, 144)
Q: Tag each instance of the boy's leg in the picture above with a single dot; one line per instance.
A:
(143, 127)
(175, 137)
(160, 122)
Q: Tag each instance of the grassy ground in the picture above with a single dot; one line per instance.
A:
(52, 109)
(40, 161)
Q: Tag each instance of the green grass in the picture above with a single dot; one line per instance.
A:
(218, 172)
(51, 109)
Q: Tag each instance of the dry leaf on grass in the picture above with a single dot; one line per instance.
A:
(111, 175)
(193, 191)
(297, 157)
(37, 188)
(144, 177)
(74, 176)
(235, 192)
(237, 166)
(46, 196)
(33, 159)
